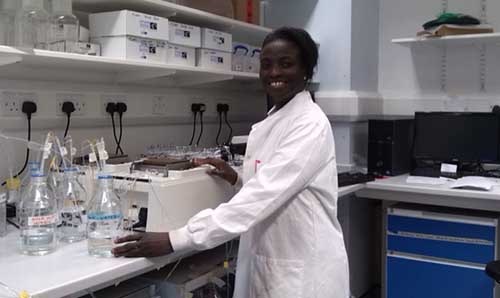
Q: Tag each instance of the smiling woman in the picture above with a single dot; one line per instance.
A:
(288, 59)
(291, 242)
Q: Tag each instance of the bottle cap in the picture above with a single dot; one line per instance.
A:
(13, 183)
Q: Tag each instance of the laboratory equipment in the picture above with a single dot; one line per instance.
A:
(73, 214)
(64, 25)
(32, 25)
(38, 217)
(3, 214)
(104, 216)
(8, 10)
(171, 201)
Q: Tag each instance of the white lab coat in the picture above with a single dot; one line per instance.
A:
(291, 242)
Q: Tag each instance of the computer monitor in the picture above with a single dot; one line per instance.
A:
(457, 137)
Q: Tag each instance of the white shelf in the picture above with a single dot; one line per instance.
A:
(452, 40)
(241, 31)
(57, 66)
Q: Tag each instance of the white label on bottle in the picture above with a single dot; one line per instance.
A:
(42, 220)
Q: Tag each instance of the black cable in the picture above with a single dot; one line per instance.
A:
(27, 153)
(194, 128)
(13, 223)
(114, 132)
(118, 145)
(219, 130)
(201, 129)
(67, 125)
(230, 128)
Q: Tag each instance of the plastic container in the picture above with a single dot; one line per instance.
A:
(32, 25)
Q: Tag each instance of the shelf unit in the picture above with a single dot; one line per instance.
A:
(57, 66)
(241, 31)
(452, 40)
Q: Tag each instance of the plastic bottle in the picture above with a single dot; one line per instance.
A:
(38, 217)
(104, 215)
(64, 26)
(8, 10)
(32, 24)
(73, 215)
(3, 214)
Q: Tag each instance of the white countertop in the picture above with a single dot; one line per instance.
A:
(397, 189)
(68, 270)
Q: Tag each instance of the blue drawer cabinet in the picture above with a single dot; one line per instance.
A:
(439, 254)
(420, 278)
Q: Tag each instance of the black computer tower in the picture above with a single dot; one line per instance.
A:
(390, 144)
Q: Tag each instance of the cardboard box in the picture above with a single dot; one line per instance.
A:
(180, 55)
(184, 35)
(247, 11)
(133, 48)
(83, 48)
(216, 40)
(130, 23)
(213, 59)
(219, 7)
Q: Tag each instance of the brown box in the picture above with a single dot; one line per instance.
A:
(219, 7)
(247, 11)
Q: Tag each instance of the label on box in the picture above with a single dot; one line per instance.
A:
(183, 33)
(217, 59)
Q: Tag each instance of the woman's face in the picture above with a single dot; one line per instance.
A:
(281, 70)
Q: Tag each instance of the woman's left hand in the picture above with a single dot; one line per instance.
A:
(143, 245)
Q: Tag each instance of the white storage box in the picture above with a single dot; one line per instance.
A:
(252, 63)
(126, 22)
(240, 55)
(216, 40)
(184, 35)
(212, 59)
(83, 48)
(180, 55)
(133, 48)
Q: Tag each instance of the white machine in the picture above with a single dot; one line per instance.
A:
(172, 200)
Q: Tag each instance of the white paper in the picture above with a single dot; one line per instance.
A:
(427, 180)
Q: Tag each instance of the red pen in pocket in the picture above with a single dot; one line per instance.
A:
(257, 162)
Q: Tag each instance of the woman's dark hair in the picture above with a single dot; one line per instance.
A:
(302, 39)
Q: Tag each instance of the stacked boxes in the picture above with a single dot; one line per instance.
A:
(184, 39)
(131, 35)
(216, 48)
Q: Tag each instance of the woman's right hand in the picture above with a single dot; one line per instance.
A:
(222, 169)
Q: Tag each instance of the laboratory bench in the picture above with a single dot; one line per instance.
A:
(71, 272)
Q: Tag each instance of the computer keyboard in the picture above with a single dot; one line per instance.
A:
(346, 179)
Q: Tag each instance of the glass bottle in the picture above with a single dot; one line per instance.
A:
(73, 215)
(8, 10)
(38, 217)
(64, 26)
(32, 24)
(3, 214)
(104, 216)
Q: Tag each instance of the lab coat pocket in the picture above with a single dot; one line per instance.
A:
(276, 278)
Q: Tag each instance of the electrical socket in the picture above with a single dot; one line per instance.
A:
(12, 102)
(160, 105)
(107, 98)
(76, 99)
